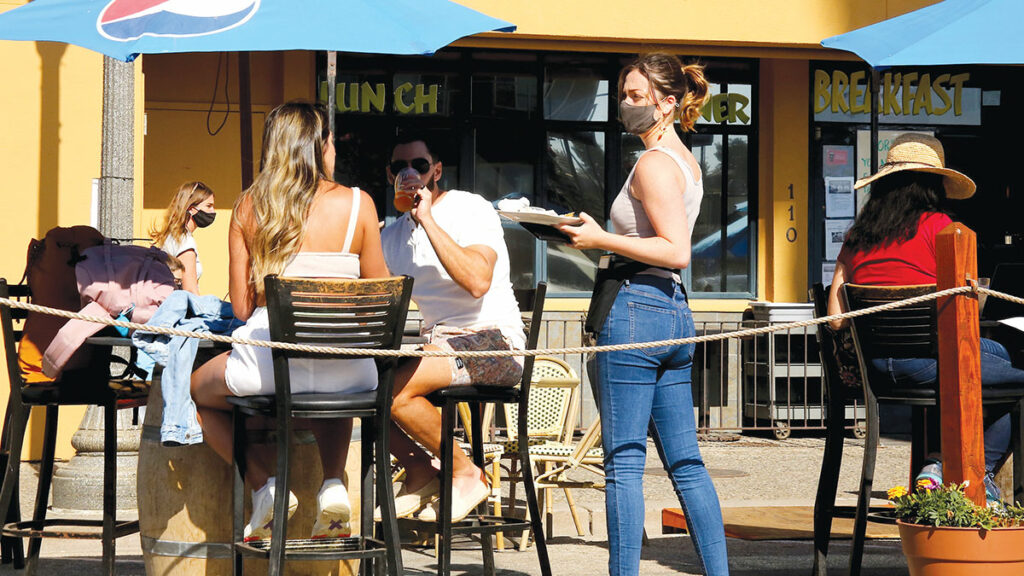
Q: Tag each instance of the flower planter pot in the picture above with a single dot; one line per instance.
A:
(944, 551)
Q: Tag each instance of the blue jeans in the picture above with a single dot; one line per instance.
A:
(652, 385)
(184, 311)
(996, 370)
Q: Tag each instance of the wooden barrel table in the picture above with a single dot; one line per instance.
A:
(185, 505)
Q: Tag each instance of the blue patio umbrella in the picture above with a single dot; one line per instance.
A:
(123, 29)
(950, 32)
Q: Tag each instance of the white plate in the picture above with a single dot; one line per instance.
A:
(539, 218)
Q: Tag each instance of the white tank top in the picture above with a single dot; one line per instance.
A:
(627, 214)
(630, 219)
(342, 264)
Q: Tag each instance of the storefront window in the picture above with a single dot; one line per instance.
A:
(504, 163)
(579, 95)
(707, 263)
(504, 96)
(575, 183)
(543, 126)
(721, 254)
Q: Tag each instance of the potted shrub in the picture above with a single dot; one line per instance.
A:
(944, 533)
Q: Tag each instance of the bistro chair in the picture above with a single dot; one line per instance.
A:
(908, 332)
(562, 461)
(367, 314)
(530, 301)
(554, 399)
(75, 388)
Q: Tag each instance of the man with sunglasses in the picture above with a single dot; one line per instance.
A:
(452, 243)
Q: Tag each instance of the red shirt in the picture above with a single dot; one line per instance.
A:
(898, 263)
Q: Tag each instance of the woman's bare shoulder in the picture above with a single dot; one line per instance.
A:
(242, 214)
(335, 195)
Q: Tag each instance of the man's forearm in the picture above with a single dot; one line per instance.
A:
(470, 269)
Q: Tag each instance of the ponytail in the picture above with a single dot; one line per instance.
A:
(693, 102)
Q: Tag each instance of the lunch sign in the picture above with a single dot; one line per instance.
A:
(416, 99)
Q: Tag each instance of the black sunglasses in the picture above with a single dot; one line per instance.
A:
(421, 165)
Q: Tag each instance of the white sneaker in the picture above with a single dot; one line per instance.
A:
(333, 511)
(262, 519)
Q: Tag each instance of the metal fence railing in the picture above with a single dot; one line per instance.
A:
(769, 383)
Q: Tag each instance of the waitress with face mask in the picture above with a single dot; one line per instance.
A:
(638, 297)
(191, 208)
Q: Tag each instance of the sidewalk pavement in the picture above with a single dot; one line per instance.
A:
(752, 471)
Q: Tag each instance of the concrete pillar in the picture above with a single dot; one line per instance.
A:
(79, 483)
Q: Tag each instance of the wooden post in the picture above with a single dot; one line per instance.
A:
(963, 450)
(245, 117)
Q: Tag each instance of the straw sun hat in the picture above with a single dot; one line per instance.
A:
(922, 153)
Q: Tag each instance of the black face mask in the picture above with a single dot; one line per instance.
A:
(203, 219)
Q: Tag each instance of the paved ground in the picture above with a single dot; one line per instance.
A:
(750, 471)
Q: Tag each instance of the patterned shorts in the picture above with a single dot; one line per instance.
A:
(495, 371)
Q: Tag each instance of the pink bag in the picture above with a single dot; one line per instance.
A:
(112, 280)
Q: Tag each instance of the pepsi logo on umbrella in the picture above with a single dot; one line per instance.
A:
(126, 20)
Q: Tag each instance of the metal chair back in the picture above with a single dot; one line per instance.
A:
(12, 333)
(366, 313)
(907, 332)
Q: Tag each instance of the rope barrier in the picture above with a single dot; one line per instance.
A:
(333, 350)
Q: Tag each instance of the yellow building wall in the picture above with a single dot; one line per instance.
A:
(737, 23)
(191, 139)
(50, 137)
(783, 169)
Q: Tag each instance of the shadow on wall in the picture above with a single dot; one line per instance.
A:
(50, 55)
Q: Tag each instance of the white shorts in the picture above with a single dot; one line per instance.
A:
(250, 369)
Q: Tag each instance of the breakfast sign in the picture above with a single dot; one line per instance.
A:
(907, 97)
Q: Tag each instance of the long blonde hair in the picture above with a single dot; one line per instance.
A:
(176, 216)
(292, 166)
(669, 77)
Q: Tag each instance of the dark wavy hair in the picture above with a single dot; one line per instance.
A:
(894, 209)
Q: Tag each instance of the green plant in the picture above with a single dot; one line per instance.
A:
(935, 505)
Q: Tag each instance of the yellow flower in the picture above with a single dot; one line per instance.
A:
(896, 491)
(927, 484)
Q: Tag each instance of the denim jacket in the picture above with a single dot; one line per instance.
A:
(185, 311)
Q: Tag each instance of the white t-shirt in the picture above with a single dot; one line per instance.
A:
(470, 220)
(175, 247)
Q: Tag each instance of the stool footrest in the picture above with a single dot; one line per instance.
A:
(351, 548)
(473, 524)
(67, 528)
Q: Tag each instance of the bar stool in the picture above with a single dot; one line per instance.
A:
(531, 301)
(368, 314)
(74, 389)
(905, 332)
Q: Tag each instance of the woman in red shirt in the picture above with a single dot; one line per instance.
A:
(892, 243)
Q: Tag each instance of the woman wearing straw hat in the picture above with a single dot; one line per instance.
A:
(891, 243)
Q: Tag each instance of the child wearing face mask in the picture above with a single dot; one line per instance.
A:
(192, 207)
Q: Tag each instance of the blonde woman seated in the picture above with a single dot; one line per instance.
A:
(293, 221)
(191, 208)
